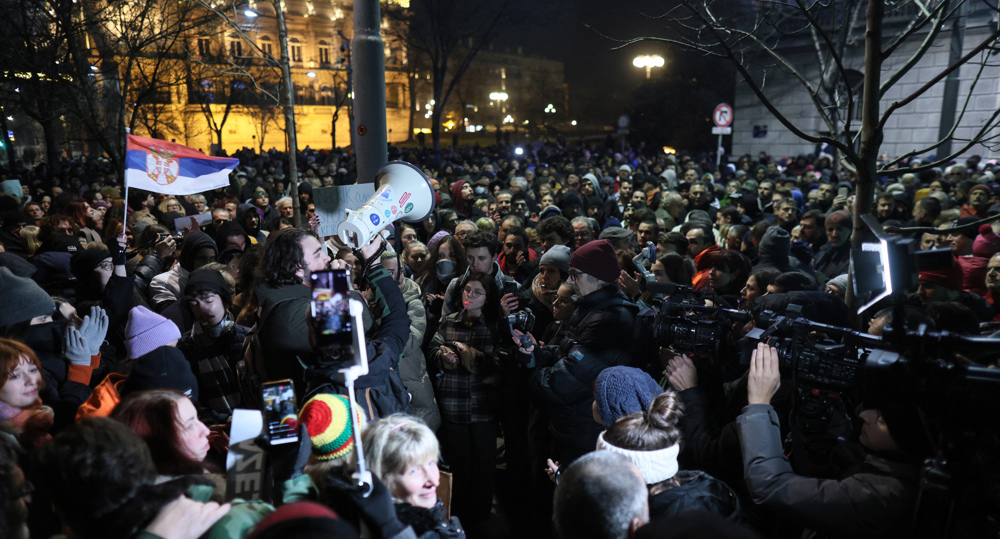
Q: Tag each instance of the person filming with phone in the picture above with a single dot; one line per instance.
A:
(285, 295)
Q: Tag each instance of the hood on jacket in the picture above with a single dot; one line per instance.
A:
(230, 228)
(241, 214)
(193, 242)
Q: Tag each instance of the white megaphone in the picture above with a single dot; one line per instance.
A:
(404, 194)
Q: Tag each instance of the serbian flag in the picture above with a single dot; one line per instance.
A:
(167, 167)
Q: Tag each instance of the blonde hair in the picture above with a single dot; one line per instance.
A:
(395, 444)
(163, 206)
(30, 236)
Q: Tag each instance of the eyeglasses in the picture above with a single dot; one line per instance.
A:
(474, 292)
(106, 265)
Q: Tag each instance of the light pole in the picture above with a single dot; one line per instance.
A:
(649, 62)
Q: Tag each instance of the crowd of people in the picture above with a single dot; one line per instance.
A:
(513, 387)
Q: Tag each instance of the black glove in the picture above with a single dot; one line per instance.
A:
(376, 510)
(118, 257)
(287, 460)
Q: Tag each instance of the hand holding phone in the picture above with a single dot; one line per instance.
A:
(330, 307)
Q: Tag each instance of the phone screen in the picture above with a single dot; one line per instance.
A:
(842, 191)
(331, 307)
(280, 411)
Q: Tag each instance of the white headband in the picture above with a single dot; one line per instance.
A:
(656, 466)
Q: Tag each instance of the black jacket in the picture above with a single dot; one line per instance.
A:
(698, 491)
(599, 337)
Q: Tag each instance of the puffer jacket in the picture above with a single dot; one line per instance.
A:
(876, 501)
(413, 365)
(599, 337)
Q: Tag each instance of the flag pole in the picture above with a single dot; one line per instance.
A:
(125, 180)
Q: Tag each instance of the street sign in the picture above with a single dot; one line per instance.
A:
(723, 115)
(722, 130)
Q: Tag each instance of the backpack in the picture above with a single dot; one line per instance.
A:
(250, 371)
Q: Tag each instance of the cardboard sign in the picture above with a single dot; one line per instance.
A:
(332, 204)
(245, 463)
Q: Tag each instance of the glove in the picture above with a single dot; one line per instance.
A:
(376, 510)
(94, 329)
(287, 460)
(76, 349)
(117, 247)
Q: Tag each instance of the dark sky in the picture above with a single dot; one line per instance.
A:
(577, 40)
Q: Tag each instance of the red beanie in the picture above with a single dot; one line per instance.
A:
(987, 243)
(597, 258)
(950, 278)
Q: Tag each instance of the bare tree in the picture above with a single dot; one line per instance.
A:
(764, 40)
(447, 35)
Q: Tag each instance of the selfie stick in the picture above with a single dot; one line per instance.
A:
(358, 369)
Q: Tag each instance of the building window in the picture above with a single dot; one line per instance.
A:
(235, 48)
(204, 46)
(395, 97)
(265, 46)
(296, 50)
(324, 52)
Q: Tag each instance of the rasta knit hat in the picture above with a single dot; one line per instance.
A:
(147, 331)
(620, 391)
(330, 428)
(597, 258)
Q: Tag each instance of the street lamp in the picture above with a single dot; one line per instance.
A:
(649, 62)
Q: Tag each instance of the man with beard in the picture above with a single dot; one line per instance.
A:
(835, 257)
(979, 202)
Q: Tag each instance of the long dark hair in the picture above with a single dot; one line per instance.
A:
(428, 279)
(153, 416)
(491, 308)
(283, 258)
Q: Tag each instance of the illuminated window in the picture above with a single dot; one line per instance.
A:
(296, 50)
(265, 46)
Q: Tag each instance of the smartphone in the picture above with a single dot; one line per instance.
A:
(330, 307)
(280, 411)
(843, 191)
(509, 287)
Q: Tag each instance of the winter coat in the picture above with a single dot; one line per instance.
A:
(380, 392)
(67, 386)
(212, 361)
(831, 262)
(698, 491)
(498, 277)
(877, 501)
(429, 523)
(598, 337)
(413, 365)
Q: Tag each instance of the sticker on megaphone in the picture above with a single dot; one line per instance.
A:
(404, 193)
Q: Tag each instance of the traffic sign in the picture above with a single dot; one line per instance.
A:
(723, 115)
(722, 130)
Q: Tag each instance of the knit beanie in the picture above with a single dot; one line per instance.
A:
(302, 520)
(570, 199)
(980, 187)
(597, 258)
(657, 465)
(558, 256)
(549, 211)
(906, 429)
(839, 281)
(208, 279)
(436, 239)
(86, 261)
(162, 368)
(987, 243)
(615, 233)
(620, 391)
(22, 299)
(147, 331)
(776, 241)
(838, 219)
(329, 425)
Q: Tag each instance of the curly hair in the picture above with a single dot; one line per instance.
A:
(479, 238)
(283, 258)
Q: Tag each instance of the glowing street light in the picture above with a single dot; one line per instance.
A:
(550, 109)
(250, 14)
(498, 96)
(648, 62)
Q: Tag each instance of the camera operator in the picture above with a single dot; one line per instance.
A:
(599, 336)
(877, 500)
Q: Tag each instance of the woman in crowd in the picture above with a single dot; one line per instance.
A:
(651, 439)
(757, 284)
(171, 204)
(729, 273)
(22, 413)
(82, 217)
(168, 422)
(447, 260)
(463, 351)
(403, 454)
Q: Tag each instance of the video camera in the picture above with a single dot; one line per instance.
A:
(684, 324)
